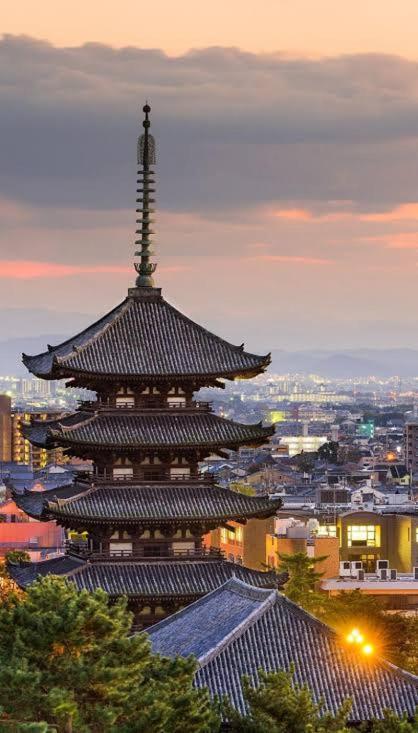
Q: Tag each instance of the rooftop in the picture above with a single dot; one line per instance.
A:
(239, 629)
(163, 429)
(145, 336)
(150, 579)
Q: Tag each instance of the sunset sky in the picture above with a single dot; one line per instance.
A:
(287, 176)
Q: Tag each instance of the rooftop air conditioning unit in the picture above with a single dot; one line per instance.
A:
(360, 574)
(393, 574)
(383, 564)
(383, 573)
(356, 565)
(345, 569)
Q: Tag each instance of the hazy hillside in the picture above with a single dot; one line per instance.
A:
(350, 363)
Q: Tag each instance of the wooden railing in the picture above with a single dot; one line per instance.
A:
(146, 406)
(82, 549)
(152, 478)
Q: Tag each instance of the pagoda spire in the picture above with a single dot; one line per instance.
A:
(145, 182)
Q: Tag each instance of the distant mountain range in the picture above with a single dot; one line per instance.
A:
(337, 364)
(348, 363)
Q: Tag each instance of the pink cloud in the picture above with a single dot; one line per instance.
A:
(29, 270)
(292, 259)
(403, 212)
(397, 240)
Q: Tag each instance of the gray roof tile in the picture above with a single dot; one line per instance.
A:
(233, 633)
(169, 502)
(147, 430)
(145, 336)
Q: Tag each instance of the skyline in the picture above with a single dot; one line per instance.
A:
(288, 185)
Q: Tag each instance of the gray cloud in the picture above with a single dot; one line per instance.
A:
(234, 129)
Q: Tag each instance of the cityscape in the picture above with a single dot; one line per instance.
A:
(200, 534)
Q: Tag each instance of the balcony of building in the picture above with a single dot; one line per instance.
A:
(146, 553)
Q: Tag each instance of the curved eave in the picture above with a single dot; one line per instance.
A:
(60, 371)
(252, 441)
(144, 580)
(53, 511)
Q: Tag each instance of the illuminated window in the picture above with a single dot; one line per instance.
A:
(416, 534)
(224, 535)
(362, 535)
(327, 530)
(238, 534)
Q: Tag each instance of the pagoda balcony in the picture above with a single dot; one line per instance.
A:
(81, 549)
(146, 406)
(151, 478)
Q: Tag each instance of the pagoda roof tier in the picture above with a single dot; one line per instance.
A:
(33, 502)
(150, 504)
(163, 430)
(157, 580)
(146, 338)
(238, 630)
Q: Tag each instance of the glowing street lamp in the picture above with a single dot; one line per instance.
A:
(355, 637)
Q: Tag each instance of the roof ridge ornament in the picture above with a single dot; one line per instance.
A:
(146, 159)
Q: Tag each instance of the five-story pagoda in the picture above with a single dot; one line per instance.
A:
(145, 507)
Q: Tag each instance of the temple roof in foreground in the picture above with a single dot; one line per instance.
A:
(158, 579)
(146, 430)
(146, 337)
(239, 629)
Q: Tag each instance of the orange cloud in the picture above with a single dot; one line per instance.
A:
(294, 214)
(398, 240)
(30, 270)
(402, 212)
(292, 259)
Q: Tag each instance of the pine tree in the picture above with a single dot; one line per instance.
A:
(68, 658)
(301, 587)
(279, 705)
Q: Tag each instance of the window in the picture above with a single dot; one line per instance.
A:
(121, 473)
(327, 530)
(179, 473)
(416, 534)
(224, 535)
(238, 534)
(125, 401)
(362, 535)
(120, 548)
(176, 402)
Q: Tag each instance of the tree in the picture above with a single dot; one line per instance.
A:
(395, 635)
(393, 724)
(305, 462)
(15, 557)
(67, 658)
(302, 585)
(279, 705)
(329, 452)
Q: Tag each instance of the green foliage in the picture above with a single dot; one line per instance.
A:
(395, 635)
(68, 658)
(279, 705)
(305, 462)
(303, 581)
(328, 452)
(15, 557)
(393, 724)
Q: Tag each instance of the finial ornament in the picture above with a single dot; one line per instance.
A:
(146, 159)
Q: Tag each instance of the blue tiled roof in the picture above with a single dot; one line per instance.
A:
(234, 633)
(200, 627)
